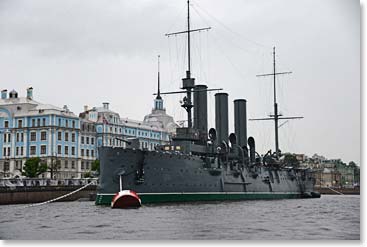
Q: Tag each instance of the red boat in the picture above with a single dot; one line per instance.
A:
(126, 199)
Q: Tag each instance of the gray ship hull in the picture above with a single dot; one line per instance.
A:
(171, 176)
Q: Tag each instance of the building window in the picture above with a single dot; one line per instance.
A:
(17, 137)
(59, 136)
(21, 150)
(20, 123)
(87, 140)
(33, 136)
(59, 122)
(82, 165)
(6, 166)
(17, 151)
(73, 124)
(66, 136)
(6, 124)
(66, 123)
(92, 140)
(73, 137)
(72, 150)
(87, 151)
(58, 163)
(33, 150)
(66, 150)
(72, 164)
(21, 137)
(92, 153)
(33, 123)
(44, 121)
(87, 165)
(43, 149)
(38, 122)
(43, 135)
(82, 140)
(66, 164)
(18, 165)
(7, 137)
(58, 149)
(82, 152)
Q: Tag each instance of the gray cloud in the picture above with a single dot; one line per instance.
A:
(87, 52)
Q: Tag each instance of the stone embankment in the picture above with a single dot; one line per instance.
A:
(338, 191)
(35, 191)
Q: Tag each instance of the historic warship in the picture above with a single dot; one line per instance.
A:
(202, 165)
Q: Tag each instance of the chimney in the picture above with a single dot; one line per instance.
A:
(30, 93)
(201, 111)
(105, 105)
(13, 94)
(240, 121)
(65, 108)
(4, 94)
(221, 116)
(85, 108)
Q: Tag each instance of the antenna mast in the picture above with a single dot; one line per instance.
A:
(276, 116)
(188, 83)
(159, 82)
(188, 41)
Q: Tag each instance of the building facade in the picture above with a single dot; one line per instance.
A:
(32, 129)
(114, 131)
(332, 172)
(69, 144)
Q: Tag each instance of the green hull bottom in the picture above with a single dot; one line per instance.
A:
(105, 199)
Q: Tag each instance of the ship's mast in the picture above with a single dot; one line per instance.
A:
(188, 83)
(276, 117)
(188, 41)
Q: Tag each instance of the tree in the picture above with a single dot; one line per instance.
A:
(95, 166)
(352, 164)
(87, 175)
(33, 167)
(291, 160)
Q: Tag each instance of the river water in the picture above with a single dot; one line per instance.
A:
(329, 217)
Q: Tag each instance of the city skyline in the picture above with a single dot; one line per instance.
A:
(86, 53)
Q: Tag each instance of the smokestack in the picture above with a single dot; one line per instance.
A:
(4, 94)
(201, 111)
(30, 93)
(240, 121)
(221, 116)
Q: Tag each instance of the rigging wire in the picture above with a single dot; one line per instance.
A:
(230, 30)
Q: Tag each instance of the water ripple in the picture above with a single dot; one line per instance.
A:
(330, 217)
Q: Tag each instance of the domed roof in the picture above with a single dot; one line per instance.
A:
(161, 119)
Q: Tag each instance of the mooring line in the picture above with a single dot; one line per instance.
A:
(335, 191)
(60, 197)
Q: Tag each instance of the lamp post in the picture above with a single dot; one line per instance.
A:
(53, 166)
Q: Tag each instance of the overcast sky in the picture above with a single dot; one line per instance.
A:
(87, 52)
